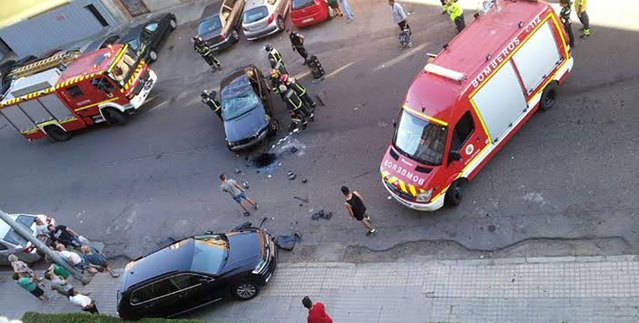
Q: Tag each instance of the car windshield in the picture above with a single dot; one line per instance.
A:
(419, 139)
(209, 24)
(134, 44)
(13, 237)
(255, 14)
(209, 253)
(124, 68)
(300, 4)
(238, 98)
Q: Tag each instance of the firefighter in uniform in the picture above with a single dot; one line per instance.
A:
(580, 8)
(565, 20)
(301, 91)
(209, 99)
(206, 53)
(275, 59)
(299, 113)
(456, 14)
(297, 42)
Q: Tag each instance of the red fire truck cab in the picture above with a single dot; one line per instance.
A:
(70, 91)
(471, 99)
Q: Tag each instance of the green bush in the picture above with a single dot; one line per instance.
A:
(31, 317)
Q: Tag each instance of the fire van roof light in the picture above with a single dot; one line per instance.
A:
(445, 72)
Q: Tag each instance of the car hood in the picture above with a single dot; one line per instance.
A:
(247, 125)
(211, 35)
(245, 251)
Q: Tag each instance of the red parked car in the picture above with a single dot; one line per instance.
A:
(309, 12)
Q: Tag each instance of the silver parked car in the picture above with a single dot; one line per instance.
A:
(13, 243)
(264, 17)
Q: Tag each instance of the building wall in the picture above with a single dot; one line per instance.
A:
(56, 28)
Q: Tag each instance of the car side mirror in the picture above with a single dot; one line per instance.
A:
(454, 155)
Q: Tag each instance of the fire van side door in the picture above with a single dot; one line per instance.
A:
(467, 140)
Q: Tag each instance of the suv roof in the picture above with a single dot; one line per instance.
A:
(211, 10)
(172, 258)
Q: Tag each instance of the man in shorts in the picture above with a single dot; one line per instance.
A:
(31, 286)
(238, 194)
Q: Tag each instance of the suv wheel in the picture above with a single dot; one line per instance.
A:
(56, 133)
(245, 290)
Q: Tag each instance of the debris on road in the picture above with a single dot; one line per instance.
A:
(287, 242)
(245, 184)
(300, 199)
(291, 175)
(238, 171)
(304, 180)
(321, 214)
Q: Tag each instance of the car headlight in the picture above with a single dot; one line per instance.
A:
(424, 196)
(258, 269)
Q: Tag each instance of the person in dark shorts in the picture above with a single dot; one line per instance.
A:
(31, 286)
(237, 192)
(335, 6)
(355, 206)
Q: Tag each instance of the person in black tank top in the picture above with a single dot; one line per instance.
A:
(356, 208)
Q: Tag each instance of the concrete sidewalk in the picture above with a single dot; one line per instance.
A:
(566, 289)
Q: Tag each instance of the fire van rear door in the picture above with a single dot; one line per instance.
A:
(56, 107)
(35, 111)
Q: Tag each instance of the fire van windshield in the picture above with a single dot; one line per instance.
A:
(124, 68)
(419, 139)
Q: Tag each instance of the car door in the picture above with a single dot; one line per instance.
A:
(194, 290)
(156, 299)
(465, 144)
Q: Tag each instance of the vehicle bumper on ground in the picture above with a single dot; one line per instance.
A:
(267, 31)
(250, 142)
(434, 205)
(139, 99)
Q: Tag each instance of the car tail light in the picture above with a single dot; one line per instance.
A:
(270, 18)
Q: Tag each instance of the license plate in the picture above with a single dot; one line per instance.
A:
(148, 84)
(308, 19)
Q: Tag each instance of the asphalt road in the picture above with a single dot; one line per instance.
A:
(568, 178)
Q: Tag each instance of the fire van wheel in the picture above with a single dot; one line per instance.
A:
(56, 133)
(455, 193)
(548, 97)
(115, 117)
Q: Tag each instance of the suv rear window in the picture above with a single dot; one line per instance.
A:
(255, 14)
(301, 4)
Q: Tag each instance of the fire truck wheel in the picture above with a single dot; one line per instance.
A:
(115, 117)
(455, 193)
(273, 127)
(153, 55)
(548, 97)
(56, 133)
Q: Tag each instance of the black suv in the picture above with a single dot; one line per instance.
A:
(195, 272)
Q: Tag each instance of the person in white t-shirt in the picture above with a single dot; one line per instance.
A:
(71, 257)
(85, 302)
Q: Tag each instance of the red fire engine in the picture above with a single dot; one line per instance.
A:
(70, 91)
(471, 99)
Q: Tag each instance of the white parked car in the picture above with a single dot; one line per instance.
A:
(264, 17)
(12, 243)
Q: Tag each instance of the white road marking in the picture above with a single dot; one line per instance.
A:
(401, 57)
(301, 75)
(159, 106)
(333, 73)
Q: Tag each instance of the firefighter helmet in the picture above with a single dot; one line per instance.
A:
(268, 47)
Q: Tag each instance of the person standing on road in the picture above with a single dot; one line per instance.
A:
(347, 10)
(297, 42)
(456, 14)
(207, 54)
(355, 206)
(31, 286)
(580, 8)
(316, 312)
(275, 59)
(399, 17)
(208, 98)
(335, 6)
(20, 267)
(564, 15)
(85, 302)
(238, 193)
